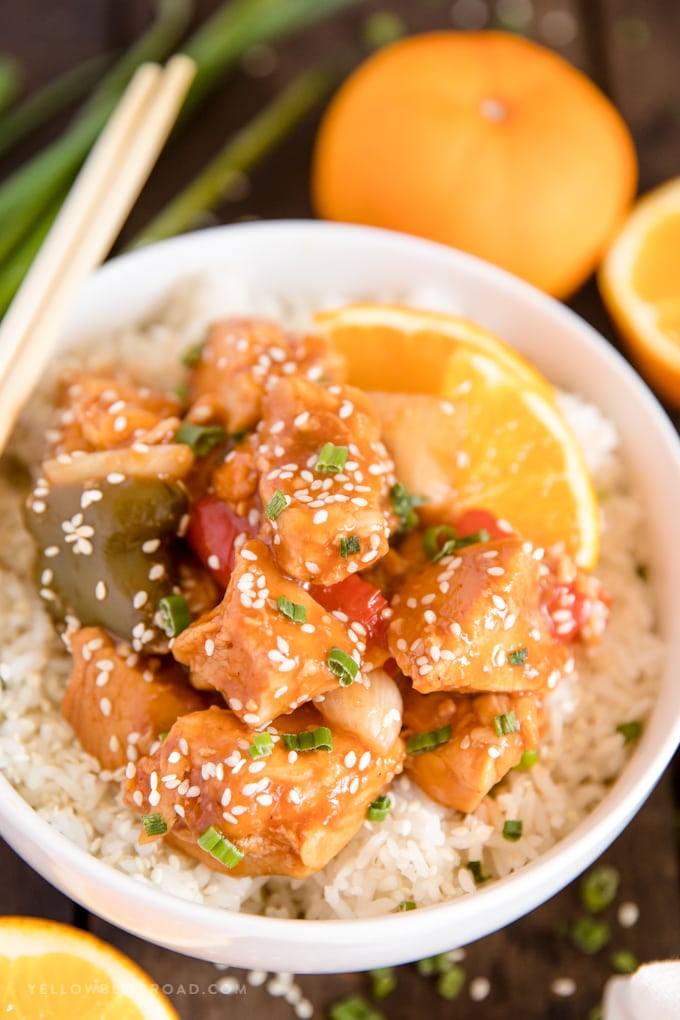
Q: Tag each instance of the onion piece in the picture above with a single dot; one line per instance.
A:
(169, 461)
(371, 707)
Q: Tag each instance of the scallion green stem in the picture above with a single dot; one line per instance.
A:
(29, 191)
(238, 26)
(13, 270)
(243, 151)
(10, 81)
(57, 95)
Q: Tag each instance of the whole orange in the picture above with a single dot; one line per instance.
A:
(483, 141)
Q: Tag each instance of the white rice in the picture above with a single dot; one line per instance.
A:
(421, 850)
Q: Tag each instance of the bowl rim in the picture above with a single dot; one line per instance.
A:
(537, 880)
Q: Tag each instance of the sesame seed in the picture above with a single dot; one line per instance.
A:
(138, 798)
(479, 989)
(320, 517)
(214, 562)
(628, 914)
(140, 599)
(563, 986)
(494, 752)
(105, 706)
(248, 554)
(495, 571)
(292, 757)
(251, 718)
(209, 647)
(429, 616)
(257, 766)
(364, 761)
(350, 759)
(235, 705)
(156, 572)
(312, 567)
(154, 798)
(301, 419)
(265, 799)
(115, 478)
(38, 507)
(354, 785)
(51, 551)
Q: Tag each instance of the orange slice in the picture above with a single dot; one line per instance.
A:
(490, 434)
(640, 285)
(52, 970)
(392, 347)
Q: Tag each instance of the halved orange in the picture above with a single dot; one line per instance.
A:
(640, 284)
(484, 432)
(52, 970)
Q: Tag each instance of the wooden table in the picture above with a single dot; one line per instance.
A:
(631, 48)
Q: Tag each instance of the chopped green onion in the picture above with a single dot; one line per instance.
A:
(293, 610)
(354, 1008)
(214, 843)
(343, 666)
(528, 760)
(476, 868)
(331, 459)
(450, 983)
(381, 29)
(599, 888)
(320, 739)
(276, 504)
(506, 723)
(200, 438)
(589, 935)
(174, 614)
(595, 1013)
(163, 735)
(432, 539)
(349, 546)
(154, 825)
(193, 354)
(406, 905)
(454, 544)
(518, 657)
(630, 730)
(623, 961)
(403, 503)
(383, 982)
(379, 808)
(181, 391)
(419, 742)
(512, 829)
(262, 746)
(434, 965)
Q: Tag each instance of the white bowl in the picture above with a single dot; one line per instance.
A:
(312, 260)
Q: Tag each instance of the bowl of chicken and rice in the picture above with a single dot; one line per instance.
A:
(262, 702)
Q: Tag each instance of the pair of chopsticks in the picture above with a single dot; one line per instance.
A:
(87, 226)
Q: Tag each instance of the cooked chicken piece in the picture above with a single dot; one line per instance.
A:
(105, 413)
(305, 427)
(242, 358)
(118, 702)
(476, 621)
(489, 734)
(264, 663)
(287, 812)
(235, 479)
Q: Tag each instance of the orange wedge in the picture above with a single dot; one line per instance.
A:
(52, 970)
(391, 347)
(640, 285)
(490, 435)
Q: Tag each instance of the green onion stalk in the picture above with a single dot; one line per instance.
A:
(10, 81)
(49, 101)
(216, 47)
(242, 152)
(30, 190)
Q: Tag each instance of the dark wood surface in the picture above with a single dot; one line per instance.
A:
(631, 48)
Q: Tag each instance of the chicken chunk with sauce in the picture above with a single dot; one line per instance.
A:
(305, 426)
(118, 702)
(104, 413)
(476, 621)
(242, 358)
(287, 812)
(489, 733)
(263, 662)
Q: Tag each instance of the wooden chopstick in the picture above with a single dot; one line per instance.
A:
(87, 226)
